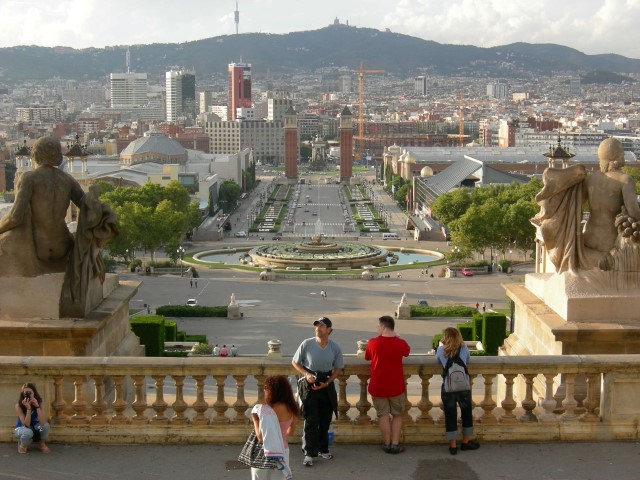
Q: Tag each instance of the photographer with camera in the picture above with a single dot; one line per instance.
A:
(319, 361)
(32, 418)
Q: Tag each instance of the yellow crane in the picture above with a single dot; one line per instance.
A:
(461, 116)
(361, 73)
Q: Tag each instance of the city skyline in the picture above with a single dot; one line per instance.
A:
(591, 26)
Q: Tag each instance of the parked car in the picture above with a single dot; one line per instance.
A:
(277, 236)
(466, 272)
(423, 302)
(241, 234)
(192, 302)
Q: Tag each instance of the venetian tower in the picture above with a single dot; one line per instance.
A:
(291, 145)
(346, 145)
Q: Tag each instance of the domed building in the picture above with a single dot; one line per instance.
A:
(154, 147)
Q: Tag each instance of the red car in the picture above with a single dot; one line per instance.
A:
(466, 272)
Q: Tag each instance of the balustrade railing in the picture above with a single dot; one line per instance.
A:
(126, 399)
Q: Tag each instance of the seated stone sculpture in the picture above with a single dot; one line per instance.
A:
(613, 208)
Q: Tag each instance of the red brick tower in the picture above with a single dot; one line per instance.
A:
(290, 144)
(346, 145)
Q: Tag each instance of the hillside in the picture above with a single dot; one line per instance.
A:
(335, 45)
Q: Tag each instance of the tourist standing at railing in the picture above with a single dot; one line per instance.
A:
(279, 396)
(387, 385)
(319, 361)
(32, 419)
(451, 346)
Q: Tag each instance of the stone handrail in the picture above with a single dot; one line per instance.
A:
(204, 399)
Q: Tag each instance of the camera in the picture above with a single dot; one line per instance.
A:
(37, 427)
(27, 395)
(321, 378)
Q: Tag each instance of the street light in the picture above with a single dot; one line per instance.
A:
(248, 223)
(180, 252)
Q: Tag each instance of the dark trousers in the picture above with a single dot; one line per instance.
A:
(450, 402)
(317, 419)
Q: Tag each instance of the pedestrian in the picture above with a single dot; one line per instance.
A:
(32, 419)
(196, 282)
(319, 361)
(477, 305)
(191, 283)
(452, 346)
(224, 352)
(233, 351)
(387, 384)
(216, 351)
(484, 307)
(323, 294)
(279, 397)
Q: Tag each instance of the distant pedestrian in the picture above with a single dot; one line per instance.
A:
(323, 294)
(484, 307)
(224, 352)
(477, 305)
(196, 282)
(191, 283)
(216, 351)
(233, 351)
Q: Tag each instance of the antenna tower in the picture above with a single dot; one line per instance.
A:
(236, 16)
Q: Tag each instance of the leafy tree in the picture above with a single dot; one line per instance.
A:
(228, 195)
(401, 194)
(451, 205)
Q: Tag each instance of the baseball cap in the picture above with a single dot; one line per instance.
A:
(324, 321)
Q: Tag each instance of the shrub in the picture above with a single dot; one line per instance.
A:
(196, 338)
(180, 336)
(494, 331)
(466, 329)
(477, 326)
(444, 311)
(150, 330)
(505, 265)
(436, 341)
(202, 349)
(197, 311)
(170, 331)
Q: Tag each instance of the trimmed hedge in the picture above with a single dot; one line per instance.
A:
(170, 331)
(466, 329)
(197, 311)
(444, 311)
(180, 336)
(494, 331)
(196, 338)
(150, 330)
(436, 341)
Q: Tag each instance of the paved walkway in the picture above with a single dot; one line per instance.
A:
(500, 461)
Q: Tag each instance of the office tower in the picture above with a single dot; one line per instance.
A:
(346, 83)
(205, 101)
(239, 88)
(278, 107)
(291, 144)
(181, 94)
(575, 87)
(420, 86)
(498, 90)
(346, 145)
(128, 89)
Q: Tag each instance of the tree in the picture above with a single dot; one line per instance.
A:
(228, 195)
(401, 194)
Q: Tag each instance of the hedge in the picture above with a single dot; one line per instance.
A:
(444, 311)
(197, 311)
(196, 338)
(170, 331)
(180, 336)
(494, 331)
(466, 329)
(150, 330)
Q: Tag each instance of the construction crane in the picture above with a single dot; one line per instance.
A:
(461, 117)
(361, 73)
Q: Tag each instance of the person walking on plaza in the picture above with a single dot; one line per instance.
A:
(387, 384)
(453, 347)
(319, 361)
(323, 294)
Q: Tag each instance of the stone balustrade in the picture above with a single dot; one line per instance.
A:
(203, 399)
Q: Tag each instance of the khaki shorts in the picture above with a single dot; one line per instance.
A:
(392, 405)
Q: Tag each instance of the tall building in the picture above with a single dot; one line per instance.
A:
(128, 89)
(498, 90)
(346, 145)
(181, 94)
(575, 87)
(278, 107)
(420, 86)
(290, 144)
(239, 88)
(263, 137)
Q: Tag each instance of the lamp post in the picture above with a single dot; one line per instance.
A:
(180, 252)
(248, 223)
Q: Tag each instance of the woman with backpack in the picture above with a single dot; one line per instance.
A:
(453, 353)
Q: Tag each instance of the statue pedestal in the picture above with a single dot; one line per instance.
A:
(34, 328)
(233, 311)
(404, 311)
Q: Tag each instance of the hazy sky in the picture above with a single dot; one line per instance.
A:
(591, 26)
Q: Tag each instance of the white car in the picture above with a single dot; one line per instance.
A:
(241, 234)
(192, 302)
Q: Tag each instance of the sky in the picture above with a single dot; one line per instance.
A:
(591, 26)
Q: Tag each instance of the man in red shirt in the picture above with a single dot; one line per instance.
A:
(387, 385)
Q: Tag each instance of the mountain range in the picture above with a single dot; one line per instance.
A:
(336, 45)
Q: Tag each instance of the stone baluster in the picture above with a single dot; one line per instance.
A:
(343, 403)
(406, 418)
(569, 403)
(549, 402)
(260, 381)
(79, 405)
(528, 404)
(119, 405)
(179, 405)
(200, 405)
(140, 404)
(591, 402)
(508, 404)
(240, 405)
(58, 405)
(99, 404)
(488, 404)
(424, 404)
(220, 406)
(159, 405)
(363, 405)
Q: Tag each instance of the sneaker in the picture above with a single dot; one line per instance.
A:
(395, 449)
(470, 445)
(326, 455)
(307, 462)
(386, 448)
(453, 450)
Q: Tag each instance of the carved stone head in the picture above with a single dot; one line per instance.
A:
(47, 151)
(611, 155)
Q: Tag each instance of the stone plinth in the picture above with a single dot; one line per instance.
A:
(233, 312)
(404, 311)
(103, 332)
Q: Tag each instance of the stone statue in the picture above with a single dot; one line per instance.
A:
(613, 211)
(35, 240)
(403, 300)
(232, 301)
